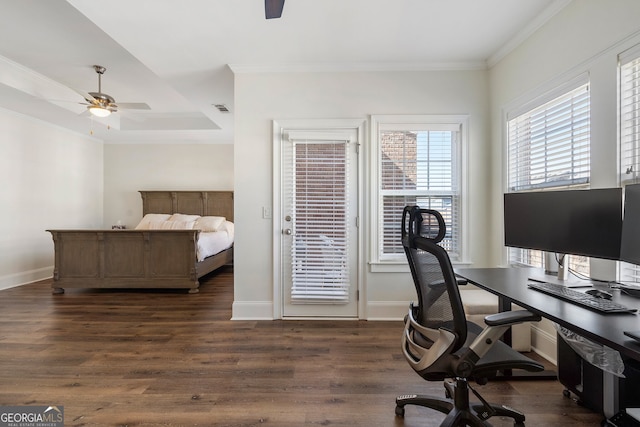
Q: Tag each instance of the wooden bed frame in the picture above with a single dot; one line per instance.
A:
(142, 258)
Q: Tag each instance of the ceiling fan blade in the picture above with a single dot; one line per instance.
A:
(89, 98)
(273, 8)
(133, 106)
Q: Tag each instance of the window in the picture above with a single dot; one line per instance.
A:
(629, 68)
(418, 162)
(549, 147)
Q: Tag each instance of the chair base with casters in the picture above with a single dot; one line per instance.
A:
(457, 407)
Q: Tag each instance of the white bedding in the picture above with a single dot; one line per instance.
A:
(209, 242)
(212, 242)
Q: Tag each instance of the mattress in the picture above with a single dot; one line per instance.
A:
(213, 242)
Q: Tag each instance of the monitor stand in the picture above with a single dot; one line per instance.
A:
(557, 271)
(563, 267)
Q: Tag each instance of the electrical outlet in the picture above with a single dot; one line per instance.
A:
(266, 212)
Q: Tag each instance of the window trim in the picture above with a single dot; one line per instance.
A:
(376, 122)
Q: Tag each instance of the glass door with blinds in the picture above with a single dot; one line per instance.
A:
(319, 224)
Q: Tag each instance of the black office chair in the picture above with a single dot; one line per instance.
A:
(439, 343)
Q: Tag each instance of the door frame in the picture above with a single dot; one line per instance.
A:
(320, 125)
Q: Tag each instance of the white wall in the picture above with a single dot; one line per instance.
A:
(131, 167)
(585, 37)
(261, 98)
(49, 178)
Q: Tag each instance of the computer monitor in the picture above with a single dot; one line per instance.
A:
(578, 222)
(630, 245)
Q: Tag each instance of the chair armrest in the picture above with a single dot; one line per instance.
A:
(497, 325)
(511, 318)
(461, 281)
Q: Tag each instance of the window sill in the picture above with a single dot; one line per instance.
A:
(402, 267)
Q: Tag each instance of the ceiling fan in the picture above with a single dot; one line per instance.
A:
(273, 8)
(102, 105)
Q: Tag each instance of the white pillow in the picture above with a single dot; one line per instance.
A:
(209, 223)
(148, 218)
(177, 225)
(155, 225)
(170, 225)
(230, 227)
(183, 217)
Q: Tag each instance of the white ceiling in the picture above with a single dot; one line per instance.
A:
(178, 56)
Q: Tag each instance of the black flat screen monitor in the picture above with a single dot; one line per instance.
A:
(630, 246)
(577, 222)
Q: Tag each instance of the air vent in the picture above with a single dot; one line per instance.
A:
(222, 108)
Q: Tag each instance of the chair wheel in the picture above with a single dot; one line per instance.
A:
(566, 393)
(400, 411)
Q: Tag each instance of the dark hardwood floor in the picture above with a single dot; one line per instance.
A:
(151, 358)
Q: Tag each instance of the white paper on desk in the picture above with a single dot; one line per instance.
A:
(634, 412)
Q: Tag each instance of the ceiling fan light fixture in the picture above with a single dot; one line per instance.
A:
(100, 104)
(98, 111)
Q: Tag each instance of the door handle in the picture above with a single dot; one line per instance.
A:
(287, 231)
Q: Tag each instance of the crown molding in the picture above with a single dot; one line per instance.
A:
(356, 67)
(553, 9)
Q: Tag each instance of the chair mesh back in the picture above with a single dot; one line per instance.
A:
(440, 305)
(435, 304)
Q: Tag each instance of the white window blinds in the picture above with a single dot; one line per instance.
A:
(320, 209)
(629, 66)
(418, 166)
(549, 146)
(630, 116)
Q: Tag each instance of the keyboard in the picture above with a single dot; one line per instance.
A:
(580, 298)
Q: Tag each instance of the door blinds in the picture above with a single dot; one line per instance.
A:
(317, 181)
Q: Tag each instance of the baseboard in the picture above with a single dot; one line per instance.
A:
(252, 310)
(544, 344)
(24, 277)
(263, 310)
(387, 310)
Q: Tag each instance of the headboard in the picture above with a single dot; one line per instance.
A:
(203, 203)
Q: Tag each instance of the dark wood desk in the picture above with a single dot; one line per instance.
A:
(510, 285)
